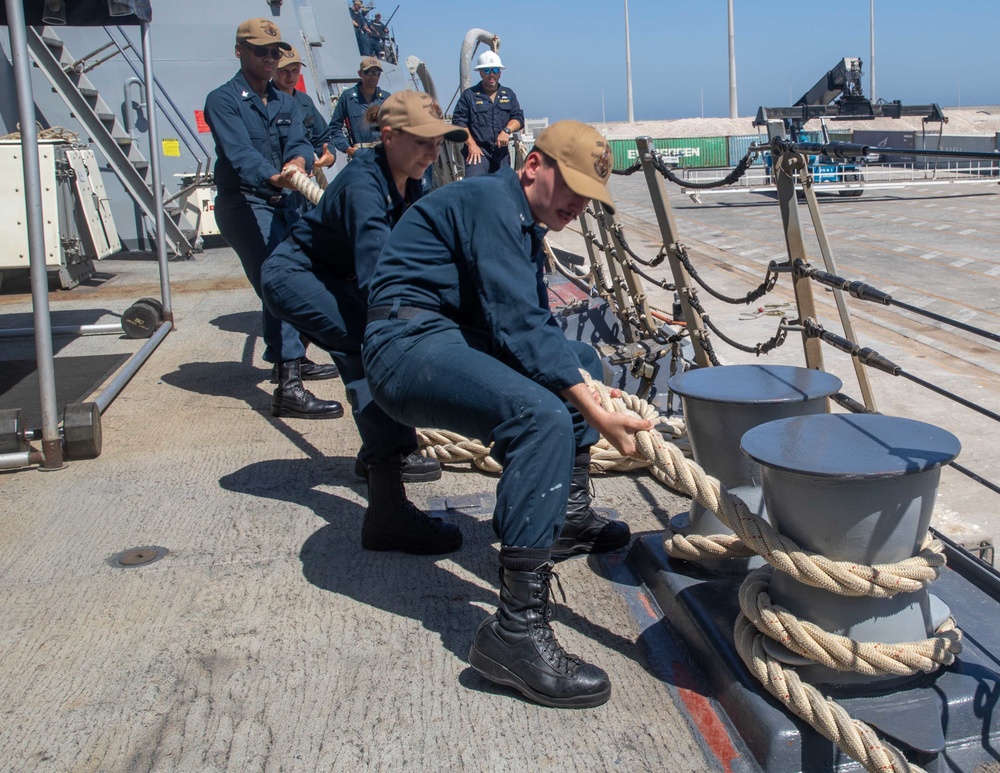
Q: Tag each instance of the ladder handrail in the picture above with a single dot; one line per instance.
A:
(160, 91)
(87, 115)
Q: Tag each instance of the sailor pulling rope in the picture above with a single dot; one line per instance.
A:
(758, 616)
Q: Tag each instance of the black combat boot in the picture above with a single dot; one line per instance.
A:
(517, 647)
(309, 371)
(294, 400)
(417, 468)
(587, 529)
(393, 522)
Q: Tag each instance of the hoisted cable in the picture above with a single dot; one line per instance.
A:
(875, 360)
(758, 349)
(620, 233)
(636, 166)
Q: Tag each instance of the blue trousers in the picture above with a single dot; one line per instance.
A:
(253, 228)
(491, 161)
(330, 311)
(444, 379)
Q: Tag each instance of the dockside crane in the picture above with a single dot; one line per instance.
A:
(838, 95)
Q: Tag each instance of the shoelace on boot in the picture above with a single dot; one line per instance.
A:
(557, 657)
(595, 514)
(419, 516)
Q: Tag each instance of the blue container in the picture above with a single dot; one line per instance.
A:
(740, 143)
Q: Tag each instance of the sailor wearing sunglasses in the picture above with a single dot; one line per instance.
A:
(492, 114)
(258, 132)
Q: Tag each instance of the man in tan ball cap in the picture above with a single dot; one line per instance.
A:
(460, 337)
(259, 132)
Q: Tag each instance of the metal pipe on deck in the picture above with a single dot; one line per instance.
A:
(154, 166)
(51, 444)
(106, 328)
(136, 361)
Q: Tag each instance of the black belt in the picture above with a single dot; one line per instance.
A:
(395, 311)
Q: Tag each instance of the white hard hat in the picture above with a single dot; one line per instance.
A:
(488, 59)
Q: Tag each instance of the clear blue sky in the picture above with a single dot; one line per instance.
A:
(560, 56)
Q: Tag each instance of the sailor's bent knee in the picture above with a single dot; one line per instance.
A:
(548, 418)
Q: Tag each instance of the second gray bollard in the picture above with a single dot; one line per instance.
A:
(857, 488)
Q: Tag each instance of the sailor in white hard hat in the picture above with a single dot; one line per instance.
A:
(492, 114)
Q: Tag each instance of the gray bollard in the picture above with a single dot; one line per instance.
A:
(857, 488)
(720, 405)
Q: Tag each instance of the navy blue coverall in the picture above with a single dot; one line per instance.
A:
(253, 141)
(460, 336)
(360, 23)
(485, 118)
(317, 279)
(318, 131)
(348, 125)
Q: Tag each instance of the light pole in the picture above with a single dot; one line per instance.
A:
(628, 68)
(733, 111)
(871, 57)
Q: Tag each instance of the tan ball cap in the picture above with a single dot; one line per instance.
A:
(260, 32)
(368, 62)
(418, 114)
(583, 157)
(290, 57)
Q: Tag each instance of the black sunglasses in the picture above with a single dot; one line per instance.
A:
(371, 71)
(262, 52)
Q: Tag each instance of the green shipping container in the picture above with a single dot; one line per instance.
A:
(694, 152)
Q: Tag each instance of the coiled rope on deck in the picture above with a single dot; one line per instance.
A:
(51, 133)
(840, 652)
(453, 448)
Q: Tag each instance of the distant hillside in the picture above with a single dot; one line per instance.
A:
(965, 120)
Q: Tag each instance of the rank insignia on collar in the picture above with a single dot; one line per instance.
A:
(246, 94)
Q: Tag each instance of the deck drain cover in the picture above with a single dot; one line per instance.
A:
(133, 557)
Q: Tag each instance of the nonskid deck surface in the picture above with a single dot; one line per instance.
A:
(267, 639)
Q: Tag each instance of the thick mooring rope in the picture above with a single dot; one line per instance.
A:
(853, 736)
(304, 184)
(453, 448)
(759, 617)
(840, 652)
(52, 133)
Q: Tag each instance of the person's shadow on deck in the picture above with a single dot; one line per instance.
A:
(423, 588)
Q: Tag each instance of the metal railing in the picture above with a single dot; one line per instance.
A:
(188, 136)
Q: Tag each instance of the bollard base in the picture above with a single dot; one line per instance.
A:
(943, 722)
